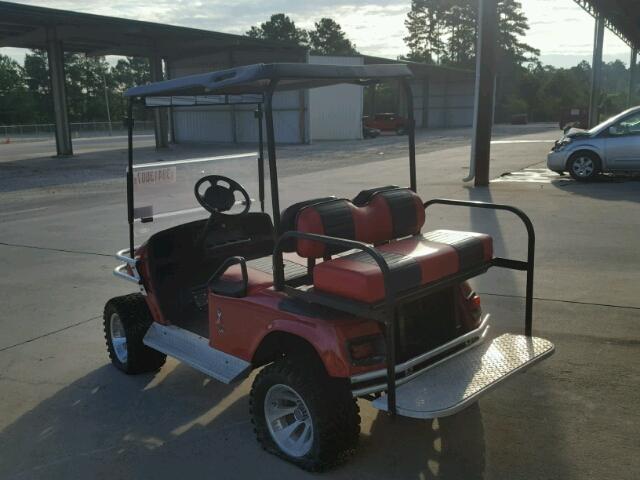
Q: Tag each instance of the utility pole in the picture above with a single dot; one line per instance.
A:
(596, 72)
(106, 101)
(632, 77)
(485, 91)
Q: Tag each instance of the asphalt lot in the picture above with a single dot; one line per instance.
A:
(66, 413)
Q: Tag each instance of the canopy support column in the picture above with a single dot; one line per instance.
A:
(633, 67)
(161, 125)
(55, 57)
(596, 71)
(485, 88)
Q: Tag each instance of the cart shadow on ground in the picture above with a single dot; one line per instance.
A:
(608, 187)
(107, 425)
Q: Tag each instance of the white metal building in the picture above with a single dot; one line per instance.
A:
(442, 98)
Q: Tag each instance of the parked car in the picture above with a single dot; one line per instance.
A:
(387, 122)
(613, 145)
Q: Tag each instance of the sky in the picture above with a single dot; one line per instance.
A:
(559, 28)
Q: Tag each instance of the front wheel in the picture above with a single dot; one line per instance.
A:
(584, 166)
(126, 320)
(304, 416)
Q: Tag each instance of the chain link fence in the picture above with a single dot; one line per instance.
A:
(44, 131)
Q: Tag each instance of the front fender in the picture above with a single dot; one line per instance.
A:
(588, 147)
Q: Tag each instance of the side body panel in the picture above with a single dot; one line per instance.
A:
(239, 325)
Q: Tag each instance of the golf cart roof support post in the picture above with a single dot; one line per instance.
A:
(271, 151)
(260, 158)
(278, 265)
(408, 93)
(130, 173)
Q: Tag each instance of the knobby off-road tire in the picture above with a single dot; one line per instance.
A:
(327, 402)
(126, 320)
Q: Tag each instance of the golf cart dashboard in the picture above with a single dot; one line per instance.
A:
(251, 235)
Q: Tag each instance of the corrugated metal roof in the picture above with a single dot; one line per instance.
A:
(622, 17)
(26, 26)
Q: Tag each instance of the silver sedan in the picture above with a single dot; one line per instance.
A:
(612, 146)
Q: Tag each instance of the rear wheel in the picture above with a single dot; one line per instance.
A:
(126, 320)
(304, 416)
(584, 166)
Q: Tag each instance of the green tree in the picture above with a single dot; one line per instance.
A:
(425, 27)
(37, 80)
(512, 27)
(328, 39)
(280, 27)
(131, 71)
(15, 102)
(460, 23)
(85, 81)
(445, 31)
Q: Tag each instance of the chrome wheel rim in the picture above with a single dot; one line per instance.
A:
(118, 338)
(583, 167)
(288, 420)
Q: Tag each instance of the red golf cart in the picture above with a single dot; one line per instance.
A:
(336, 298)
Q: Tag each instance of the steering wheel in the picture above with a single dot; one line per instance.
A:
(220, 198)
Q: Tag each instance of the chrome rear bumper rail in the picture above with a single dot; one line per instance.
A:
(476, 336)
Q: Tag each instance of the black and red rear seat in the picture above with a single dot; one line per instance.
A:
(390, 218)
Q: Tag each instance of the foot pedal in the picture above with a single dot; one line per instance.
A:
(450, 386)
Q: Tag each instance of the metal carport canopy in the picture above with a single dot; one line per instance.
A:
(25, 26)
(621, 16)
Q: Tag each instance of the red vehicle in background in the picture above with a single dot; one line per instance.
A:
(387, 122)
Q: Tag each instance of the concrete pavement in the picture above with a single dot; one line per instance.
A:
(66, 413)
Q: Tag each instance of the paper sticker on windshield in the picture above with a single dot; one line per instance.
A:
(155, 176)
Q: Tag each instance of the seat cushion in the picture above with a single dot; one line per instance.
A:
(388, 213)
(414, 261)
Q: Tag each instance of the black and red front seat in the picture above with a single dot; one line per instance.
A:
(390, 218)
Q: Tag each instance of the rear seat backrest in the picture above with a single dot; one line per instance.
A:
(389, 214)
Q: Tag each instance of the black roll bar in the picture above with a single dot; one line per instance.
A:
(505, 262)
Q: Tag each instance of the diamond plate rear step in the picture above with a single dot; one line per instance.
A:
(454, 384)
